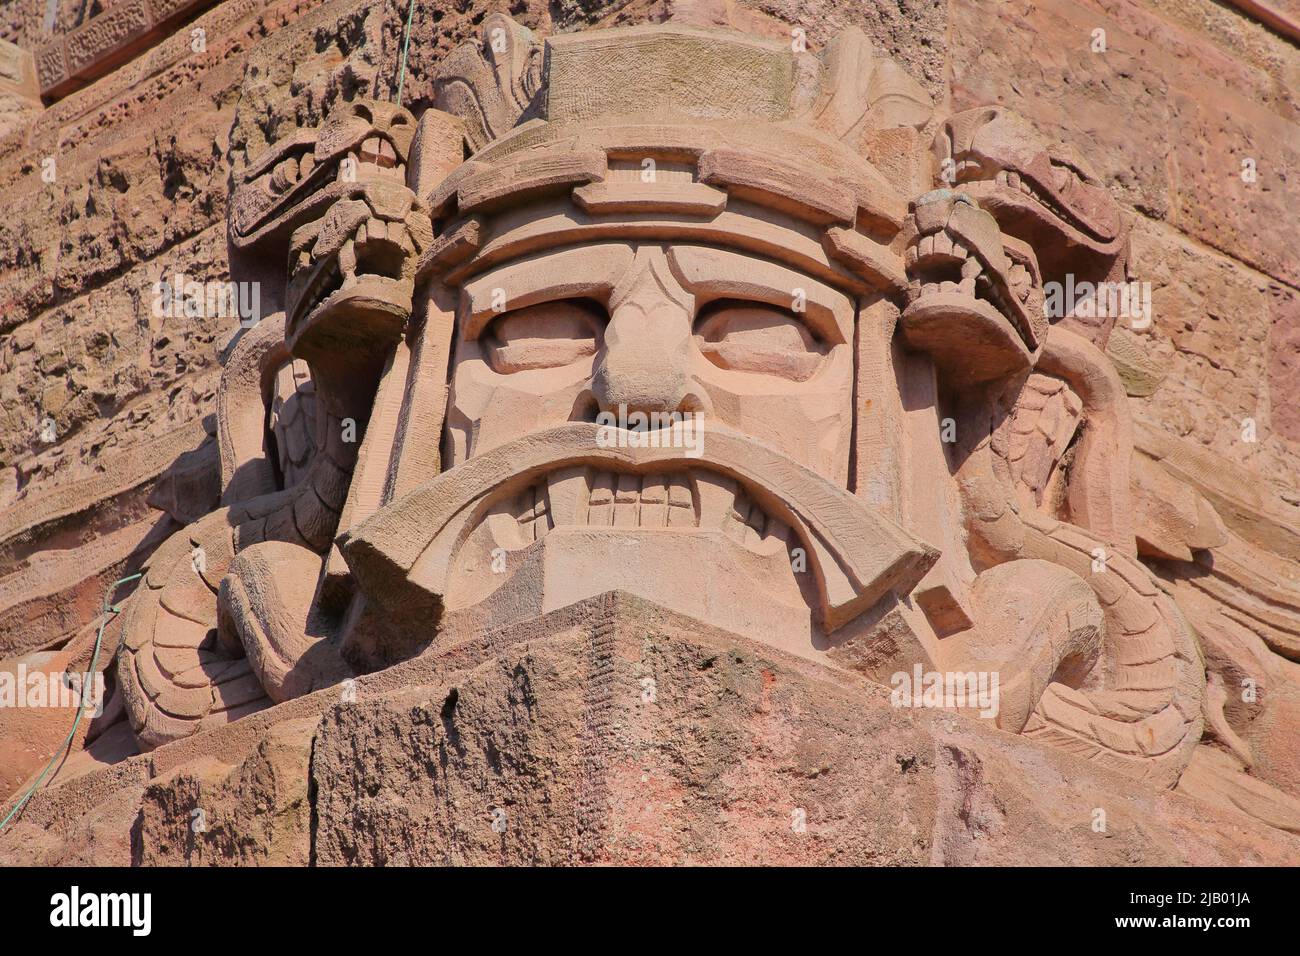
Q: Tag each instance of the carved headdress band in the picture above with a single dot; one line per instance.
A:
(741, 144)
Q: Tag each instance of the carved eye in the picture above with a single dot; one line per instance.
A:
(756, 337)
(362, 111)
(548, 335)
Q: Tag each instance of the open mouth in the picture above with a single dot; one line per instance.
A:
(374, 158)
(940, 264)
(683, 500)
(298, 175)
(377, 156)
(524, 490)
(370, 262)
(1013, 185)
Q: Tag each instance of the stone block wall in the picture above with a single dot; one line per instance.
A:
(123, 182)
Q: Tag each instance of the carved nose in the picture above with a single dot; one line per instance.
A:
(645, 366)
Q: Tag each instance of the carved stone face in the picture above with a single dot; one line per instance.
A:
(737, 340)
(651, 377)
(724, 340)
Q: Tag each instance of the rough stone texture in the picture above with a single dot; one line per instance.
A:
(255, 814)
(561, 731)
(1220, 334)
(710, 768)
(110, 430)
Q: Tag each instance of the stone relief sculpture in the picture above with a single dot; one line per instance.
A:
(621, 240)
(873, 449)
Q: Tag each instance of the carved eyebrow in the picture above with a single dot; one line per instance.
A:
(711, 274)
(584, 272)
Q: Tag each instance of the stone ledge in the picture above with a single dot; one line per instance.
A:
(705, 763)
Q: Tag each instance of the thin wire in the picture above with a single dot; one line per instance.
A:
(406, 43)
(81, 707)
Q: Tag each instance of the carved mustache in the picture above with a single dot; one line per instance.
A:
(404, 552)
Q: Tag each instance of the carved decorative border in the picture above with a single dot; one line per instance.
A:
(68, 62)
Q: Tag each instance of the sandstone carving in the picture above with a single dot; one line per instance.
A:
(643, 312)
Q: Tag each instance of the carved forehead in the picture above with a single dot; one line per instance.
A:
(666, 132)
(652, 187)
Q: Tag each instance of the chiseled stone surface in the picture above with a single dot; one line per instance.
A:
(617, 733)
(402, 600)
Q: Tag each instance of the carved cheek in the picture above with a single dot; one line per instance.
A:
(770, 376)
(488, 408)
(811, 422)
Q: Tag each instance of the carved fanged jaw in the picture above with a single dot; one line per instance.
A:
(1087, 219)
(358, 260)
(369, 264)
(939, 263)
(690, 539)
(301, 176)
(298, 170)
(974, 298)
(1032, 188)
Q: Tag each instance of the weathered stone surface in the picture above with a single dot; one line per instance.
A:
(615, 732)
(1284, 361)
(1167, 112)
(1219, 333)
(394, 485)
(255, 814)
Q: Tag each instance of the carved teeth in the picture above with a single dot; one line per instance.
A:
(377, 151)
(973, 280)
(1013, 180)
(566, 491)
(285, 175)
(681, 502)
(654, 501)
(600, 504)
(627, 501)
(579, 496)
(716, 496)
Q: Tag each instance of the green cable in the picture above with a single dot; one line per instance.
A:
(81, 707)
(406, 44)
